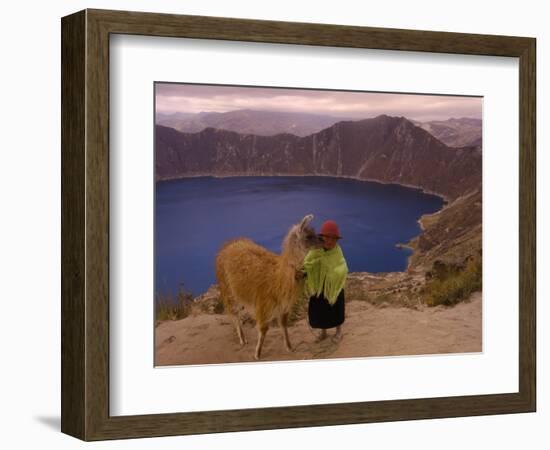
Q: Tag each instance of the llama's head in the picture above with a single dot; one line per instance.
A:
(300, 239)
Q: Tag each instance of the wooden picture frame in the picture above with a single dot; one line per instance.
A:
(85, 224)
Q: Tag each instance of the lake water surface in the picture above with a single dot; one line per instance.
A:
(194, 216)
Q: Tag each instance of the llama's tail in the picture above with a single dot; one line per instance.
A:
(223, 285)
(223, 266)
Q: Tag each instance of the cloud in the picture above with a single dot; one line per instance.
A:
(193, 98)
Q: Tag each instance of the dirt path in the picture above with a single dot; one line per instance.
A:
(368, 331)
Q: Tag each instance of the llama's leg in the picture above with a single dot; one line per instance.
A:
(283, 320)
(229, 306)
(262, 330)
(237, 322)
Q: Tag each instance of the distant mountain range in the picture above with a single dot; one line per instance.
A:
(384, 148)
(454, 132)
(246, 121)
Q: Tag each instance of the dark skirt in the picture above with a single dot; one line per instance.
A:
(324, 315)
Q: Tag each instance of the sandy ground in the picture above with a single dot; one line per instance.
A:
(368, 331)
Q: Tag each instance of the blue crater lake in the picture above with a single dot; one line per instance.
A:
(195, 216)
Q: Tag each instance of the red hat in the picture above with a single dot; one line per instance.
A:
(329, 228)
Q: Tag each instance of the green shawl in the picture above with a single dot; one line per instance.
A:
(325, 268)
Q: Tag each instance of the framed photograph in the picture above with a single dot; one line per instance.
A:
(332, 174)
(272, 224)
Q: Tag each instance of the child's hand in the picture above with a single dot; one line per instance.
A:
(300, 274)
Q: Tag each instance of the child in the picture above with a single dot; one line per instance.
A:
(326, 271)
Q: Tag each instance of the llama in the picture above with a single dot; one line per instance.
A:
(266, 283)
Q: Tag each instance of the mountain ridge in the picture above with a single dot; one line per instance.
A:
(385, 148)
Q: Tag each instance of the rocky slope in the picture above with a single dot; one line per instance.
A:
(452, 234)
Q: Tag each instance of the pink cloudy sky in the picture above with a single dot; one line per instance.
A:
(191, 98)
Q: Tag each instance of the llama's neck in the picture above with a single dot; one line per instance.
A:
(289, 285)
(290, 260)
(292, 254)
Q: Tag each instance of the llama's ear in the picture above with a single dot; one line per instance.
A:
(305, 221)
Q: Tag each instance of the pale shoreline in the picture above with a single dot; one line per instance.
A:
(444, 197)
